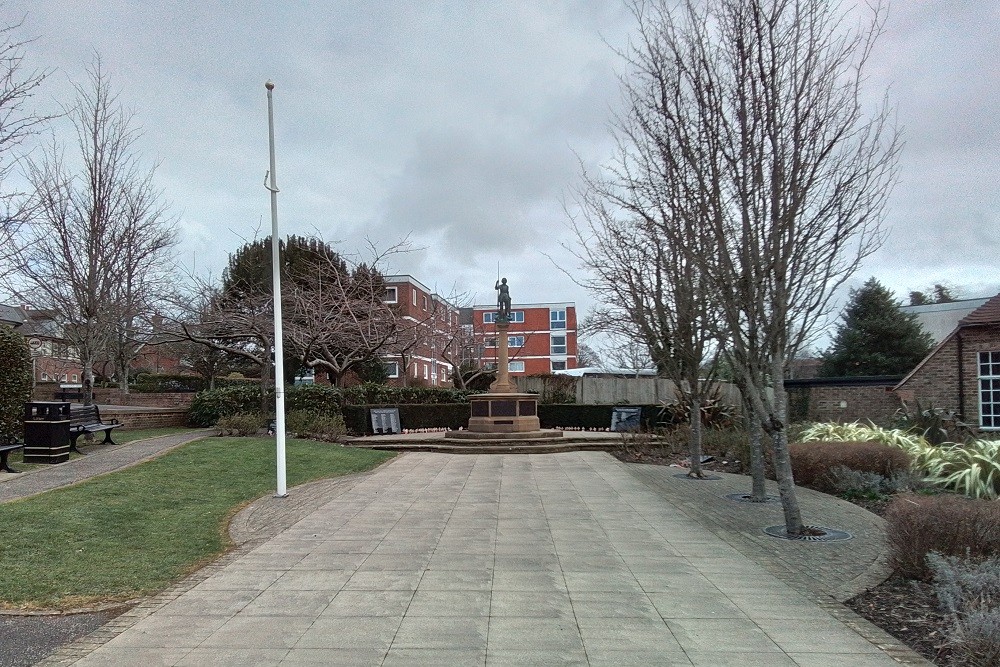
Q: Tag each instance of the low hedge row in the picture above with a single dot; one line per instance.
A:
(813, 461)
(456, 415)
(419, 407)
(948, 524)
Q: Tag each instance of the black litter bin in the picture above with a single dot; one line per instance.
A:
(46, 432)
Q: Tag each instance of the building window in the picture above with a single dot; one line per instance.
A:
(425, 303)
(390, 295)
(416, 370)
(515, 341)
(516, 316)
(558, 344)
(391, 369)
(558, 366)
(427, 372)
(491, 342)
(413, 296)
(515, 366)
(989, 389)
(557, 319)
(45, 376)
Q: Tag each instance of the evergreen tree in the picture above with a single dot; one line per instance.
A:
(875, 337)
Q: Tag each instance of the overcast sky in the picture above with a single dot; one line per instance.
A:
(462, 125)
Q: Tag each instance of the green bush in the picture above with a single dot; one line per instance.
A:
(15, 383)
(315, 426)
(380, 394)
(948, 524)
(317, 399)
(243, 424)
(209, 405)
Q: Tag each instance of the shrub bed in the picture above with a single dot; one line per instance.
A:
(948, 524)
(812, 462)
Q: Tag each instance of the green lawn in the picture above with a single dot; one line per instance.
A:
(135, 531)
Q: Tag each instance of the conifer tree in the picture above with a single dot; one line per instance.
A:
(875, 337)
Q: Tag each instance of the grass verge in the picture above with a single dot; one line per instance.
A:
(135, 531)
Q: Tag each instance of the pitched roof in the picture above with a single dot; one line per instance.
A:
(11, 314)
(988, 313)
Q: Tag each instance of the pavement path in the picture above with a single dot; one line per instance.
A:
(549, 559)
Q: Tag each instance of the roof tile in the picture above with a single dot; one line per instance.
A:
(988, 313)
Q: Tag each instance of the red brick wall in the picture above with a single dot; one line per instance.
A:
(157, 419)
(46, 392)
(937, 381)
(847, 404)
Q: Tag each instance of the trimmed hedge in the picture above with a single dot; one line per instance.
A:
(438, 415)
(578, 415)
(15, 383)
(456, 415)
(947, 524)
(813, 461)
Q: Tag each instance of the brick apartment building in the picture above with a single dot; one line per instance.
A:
(53, 359)
(541, 338)
(425, 345)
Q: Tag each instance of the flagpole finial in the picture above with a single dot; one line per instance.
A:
(269, 84)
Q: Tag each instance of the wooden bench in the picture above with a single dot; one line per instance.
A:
(87, 419)
(5, 451)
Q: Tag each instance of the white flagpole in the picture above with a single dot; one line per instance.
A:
(279, 359)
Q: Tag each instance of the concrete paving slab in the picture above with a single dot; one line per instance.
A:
(552, 559)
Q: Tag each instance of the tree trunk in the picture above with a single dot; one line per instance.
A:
(694, 441)
(88, 381)
(758, 483)
(782, 461)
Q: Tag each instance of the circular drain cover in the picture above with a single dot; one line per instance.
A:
(825, 534)
(706, 478)
(747, 498)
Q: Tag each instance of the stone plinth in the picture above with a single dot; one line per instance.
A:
(506, 415)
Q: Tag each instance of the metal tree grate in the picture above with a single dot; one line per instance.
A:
(826, 534)
(747, 498)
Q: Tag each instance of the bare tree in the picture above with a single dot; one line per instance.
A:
(100, 242)
(17, 123)
(648, 289)
(748, 115)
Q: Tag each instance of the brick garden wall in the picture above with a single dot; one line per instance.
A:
(843, 404)
(152, 419)
(47, 391)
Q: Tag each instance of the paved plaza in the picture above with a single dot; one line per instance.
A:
(550, 559)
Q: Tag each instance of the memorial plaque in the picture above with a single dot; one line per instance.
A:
(385, 421)
(526, 408)
(625, 419)
(480, 408)
(503, 409)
